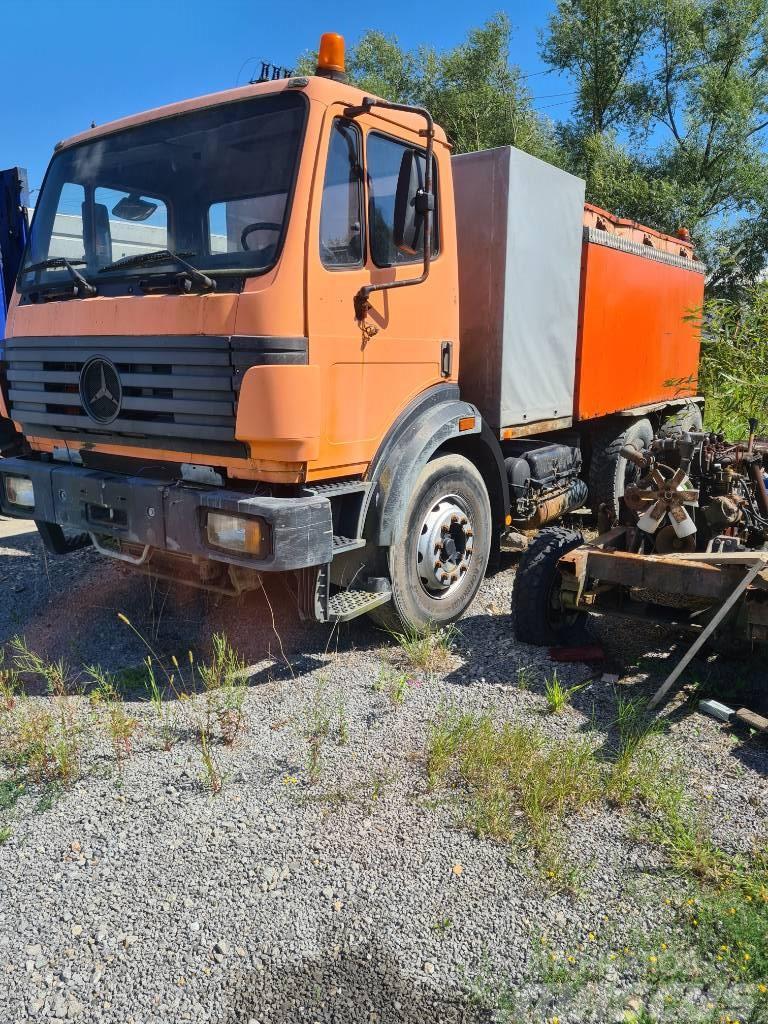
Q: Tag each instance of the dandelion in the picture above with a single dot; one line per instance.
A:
(652, 958)
(663, 945)
(592, 936)
(762, 988)
(747, 956)
(290, 780)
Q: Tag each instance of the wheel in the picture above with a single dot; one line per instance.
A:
(609, 471)
(682, 420)
(537, 616)
(438, 559)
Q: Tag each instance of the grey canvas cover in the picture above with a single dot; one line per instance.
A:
(519, 232)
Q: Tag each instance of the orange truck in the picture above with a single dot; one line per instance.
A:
(282, 329)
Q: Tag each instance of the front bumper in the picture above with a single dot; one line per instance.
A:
(170, 516)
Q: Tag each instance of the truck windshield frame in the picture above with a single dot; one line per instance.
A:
(216, 182)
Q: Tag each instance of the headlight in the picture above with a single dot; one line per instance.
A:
(19, 491)
(238, 533)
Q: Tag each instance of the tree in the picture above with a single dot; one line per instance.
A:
(472, 91)
(601, 44)
(670, 120)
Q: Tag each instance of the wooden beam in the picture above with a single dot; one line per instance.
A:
(669, 575)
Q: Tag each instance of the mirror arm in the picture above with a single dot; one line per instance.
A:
(362, 304)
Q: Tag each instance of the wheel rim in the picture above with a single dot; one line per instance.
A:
(557, 616)
(446, 544)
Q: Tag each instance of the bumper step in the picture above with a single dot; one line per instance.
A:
(348, 604)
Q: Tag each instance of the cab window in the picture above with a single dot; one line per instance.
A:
(341, 212)
(383, 158)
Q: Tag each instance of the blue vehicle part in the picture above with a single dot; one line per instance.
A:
(14, 200)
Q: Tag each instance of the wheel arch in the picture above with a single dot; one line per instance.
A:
(429, 426)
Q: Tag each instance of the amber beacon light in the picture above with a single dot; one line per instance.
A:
(330, 57)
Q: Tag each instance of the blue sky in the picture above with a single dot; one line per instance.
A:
(95, 60)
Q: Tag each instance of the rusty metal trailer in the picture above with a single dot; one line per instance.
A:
(719, 596)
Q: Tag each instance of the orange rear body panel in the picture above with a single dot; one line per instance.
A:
(635, 346)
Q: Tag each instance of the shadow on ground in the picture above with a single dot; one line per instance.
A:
(364, 984)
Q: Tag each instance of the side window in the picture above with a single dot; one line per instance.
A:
(384, 156)
(341, 241)
(66, 237)
(131, 223)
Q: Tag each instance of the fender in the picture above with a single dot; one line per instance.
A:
(429, 423)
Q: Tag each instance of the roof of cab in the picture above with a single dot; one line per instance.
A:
(323, 90)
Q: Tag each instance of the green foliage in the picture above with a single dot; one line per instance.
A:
(601, 43)
(733, 372)
(684, 85)
(472, 91)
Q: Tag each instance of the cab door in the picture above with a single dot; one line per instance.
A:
(370, 371)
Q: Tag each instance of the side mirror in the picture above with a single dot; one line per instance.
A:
(411, 204)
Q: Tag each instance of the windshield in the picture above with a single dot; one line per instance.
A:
(213, 186)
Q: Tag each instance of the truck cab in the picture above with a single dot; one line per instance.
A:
(200, 392)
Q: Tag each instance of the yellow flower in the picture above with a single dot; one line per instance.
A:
(592, 936)
(762, 987)
(571, 960)
(663, 945)
(723, 949)
(747, 956)
(290, 780)
(652, 958)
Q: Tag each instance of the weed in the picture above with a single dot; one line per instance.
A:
(443, 925)
(9, 687)
(557, 695)
(42, 746)
(120, 725)
(56, 674)
(378, 786)
(510, 774)
(427, 649)
(396, 686)
(316, 728)
(342, 734)
(165, 714)
(10, 792)
(5, 834)
(525, 676)
(225, 685)
(212, 777)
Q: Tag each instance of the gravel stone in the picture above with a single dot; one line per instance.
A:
(138, 897)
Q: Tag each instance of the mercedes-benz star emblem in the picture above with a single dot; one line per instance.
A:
(100, 389)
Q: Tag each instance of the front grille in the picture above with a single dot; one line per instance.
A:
(177, 392)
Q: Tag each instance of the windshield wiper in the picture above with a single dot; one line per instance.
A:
(141, 259)
(83, 287)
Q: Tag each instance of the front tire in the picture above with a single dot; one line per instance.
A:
(537, 616)
(438, 558)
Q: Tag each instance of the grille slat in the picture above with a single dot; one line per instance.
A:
(183, 389)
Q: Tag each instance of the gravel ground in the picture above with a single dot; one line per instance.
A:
(141, 898)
